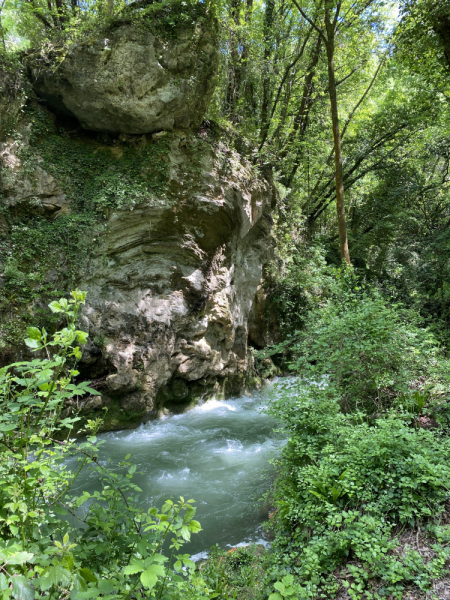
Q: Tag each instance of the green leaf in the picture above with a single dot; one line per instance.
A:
(22, 587)
(148, 579)
(32, 343)
(82, 337)
(55, 307)
(279, 586)
(106, 586)
(79, 583)
(90, 593)
(194, 526)
(19, 558)
(150, 576)
(90, 390)
(57, 575)
(159, 558)
(87, 575)
(189, 563)
(5, 427)
(34, 333)
(133, 568)
(275, 596)
(59, 510)
(3, 582)
(82, 499)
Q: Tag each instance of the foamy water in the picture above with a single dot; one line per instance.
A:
(217, 453)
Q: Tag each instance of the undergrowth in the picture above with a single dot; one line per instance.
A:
(367, 418)
(118, 548)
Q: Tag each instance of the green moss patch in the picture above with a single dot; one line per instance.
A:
(42, 256)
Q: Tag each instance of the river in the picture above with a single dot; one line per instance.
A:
(217, 453)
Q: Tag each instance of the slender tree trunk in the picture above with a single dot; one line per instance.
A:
(268, 23)
(2, 5)
(233, 63)
(343, 240)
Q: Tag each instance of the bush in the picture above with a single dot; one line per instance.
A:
(359, 466)
(373, 353)
(118, 550)
(344, 487)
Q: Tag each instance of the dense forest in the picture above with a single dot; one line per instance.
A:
(344, 107)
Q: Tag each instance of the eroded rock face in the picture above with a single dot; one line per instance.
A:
(172, 275)
(131, 80)
(172, 286)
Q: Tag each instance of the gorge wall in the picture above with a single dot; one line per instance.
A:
(162, 222)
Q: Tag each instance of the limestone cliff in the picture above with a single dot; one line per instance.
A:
(168, 233)
(172, 285)
(134, 78)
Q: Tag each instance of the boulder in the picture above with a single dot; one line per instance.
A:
(131, 80)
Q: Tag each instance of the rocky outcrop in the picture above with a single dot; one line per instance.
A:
(131, 80)
(263, 322)
(172, 286)
(168, 233)
(170, 279)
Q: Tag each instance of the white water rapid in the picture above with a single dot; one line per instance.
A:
(217, 453)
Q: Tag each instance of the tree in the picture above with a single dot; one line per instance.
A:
(328, 35)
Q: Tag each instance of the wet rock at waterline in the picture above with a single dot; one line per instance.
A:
(131, 80)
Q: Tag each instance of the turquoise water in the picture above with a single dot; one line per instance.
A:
(217, 453)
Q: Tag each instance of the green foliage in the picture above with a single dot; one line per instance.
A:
(298, 279)
(98, 177)
(57, 26)
(41, 253)
(344, 487)
(365, 348)
(118, 552)
(165, 19)
(35, 255)
(14, 89)
(359, 465)
(236, 573)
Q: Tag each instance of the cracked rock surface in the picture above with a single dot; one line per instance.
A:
(172, 286)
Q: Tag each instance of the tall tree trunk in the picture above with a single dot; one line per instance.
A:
(268, 44)
(339, 177)
(2, 31)
(233, 62)
(442, 28)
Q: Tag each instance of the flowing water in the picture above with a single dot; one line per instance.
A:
(217, 453)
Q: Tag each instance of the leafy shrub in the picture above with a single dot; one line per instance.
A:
(236, 573)
(369, 351)
(359, 467)
(345, 484)
(118, 550)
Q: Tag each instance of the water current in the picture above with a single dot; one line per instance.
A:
(217, 453)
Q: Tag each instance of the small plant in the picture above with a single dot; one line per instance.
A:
(286, 588)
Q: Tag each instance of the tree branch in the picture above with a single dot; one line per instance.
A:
(305, 16)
